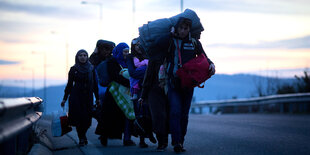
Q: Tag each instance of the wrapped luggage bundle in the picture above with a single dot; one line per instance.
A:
(149, 32)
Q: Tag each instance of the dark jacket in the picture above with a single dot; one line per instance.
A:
(81, 89)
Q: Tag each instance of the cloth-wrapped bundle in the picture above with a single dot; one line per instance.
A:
(148, 33)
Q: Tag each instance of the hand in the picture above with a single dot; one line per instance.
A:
(63, 103)
(212, 69)
(140, 101)
(172, 30)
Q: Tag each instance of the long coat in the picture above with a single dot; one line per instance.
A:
(80, 88)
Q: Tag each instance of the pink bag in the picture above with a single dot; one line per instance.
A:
(194, 72)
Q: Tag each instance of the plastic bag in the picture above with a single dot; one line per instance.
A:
(60, 124)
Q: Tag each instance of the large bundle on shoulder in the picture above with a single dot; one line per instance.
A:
(148, 33)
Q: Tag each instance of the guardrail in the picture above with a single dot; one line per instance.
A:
(17, 115)
(275, 103)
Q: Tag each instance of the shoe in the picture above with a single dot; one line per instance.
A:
(152, 139)
(178, 148)
(161, 147)
(143, 145)
(134, 97)
(129, 143)
(103, 141)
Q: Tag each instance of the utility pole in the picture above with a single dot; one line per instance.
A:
(181, 6)
(100, 14)
(133, 16)
(33, 80)
(44, 82)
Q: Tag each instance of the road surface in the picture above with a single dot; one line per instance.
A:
(216, 134)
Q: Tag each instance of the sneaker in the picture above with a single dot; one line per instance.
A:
(178, 148)
(129, 143)
(152, 139)
(143, 145)
(134, 97)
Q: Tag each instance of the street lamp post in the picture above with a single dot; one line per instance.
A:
(133, 16)
(181, 5)
(33, 82)
(67, 50)
(100, 13)
(45, 97)
(44, 82)
(24, 82)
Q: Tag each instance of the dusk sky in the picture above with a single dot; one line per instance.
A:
(241, 36)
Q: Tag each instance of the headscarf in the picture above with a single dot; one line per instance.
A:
(101, 44)
(82, 67)
(118, 54)
(141, 56)
(96, 57)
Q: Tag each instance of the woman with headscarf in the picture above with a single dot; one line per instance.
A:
(80, 88)
(114, 122)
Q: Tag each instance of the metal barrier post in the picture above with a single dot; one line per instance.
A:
(17, 115)
(200, 110)
(282, 108)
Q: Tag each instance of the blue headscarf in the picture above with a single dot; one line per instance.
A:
(118, 54)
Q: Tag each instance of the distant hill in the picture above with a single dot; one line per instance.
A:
(11, 91)
(219, 87)
(223, 86)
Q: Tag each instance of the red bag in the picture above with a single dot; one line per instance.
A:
(60, 124)
(194, 72)
(65, 127)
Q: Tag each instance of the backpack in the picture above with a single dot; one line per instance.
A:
(103, 75)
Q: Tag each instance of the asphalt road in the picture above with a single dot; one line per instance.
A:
(219, 134)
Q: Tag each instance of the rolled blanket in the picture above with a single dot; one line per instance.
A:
(148, 33)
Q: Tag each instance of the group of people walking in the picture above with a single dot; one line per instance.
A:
(155, 88)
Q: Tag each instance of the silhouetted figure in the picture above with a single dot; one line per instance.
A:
(114, 122)
(181, 48)
(80, 88)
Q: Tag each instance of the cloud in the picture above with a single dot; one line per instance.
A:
(253, 6)
(16, 40)
(6, 62)
(296, 43)
(44, 10)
